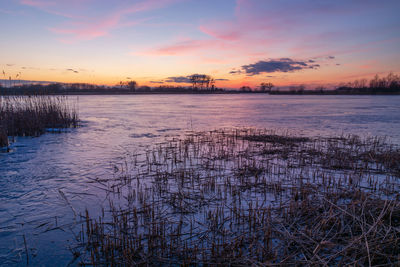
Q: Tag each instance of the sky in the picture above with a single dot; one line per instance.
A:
(161, 42)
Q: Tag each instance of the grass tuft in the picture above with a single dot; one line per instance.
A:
(31, 115)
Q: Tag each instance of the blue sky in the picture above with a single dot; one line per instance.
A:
(288, 42)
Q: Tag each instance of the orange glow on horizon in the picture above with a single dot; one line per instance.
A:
(227, 81)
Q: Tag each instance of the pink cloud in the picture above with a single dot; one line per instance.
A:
(242, 36)
(217, 49)
(217, 61)
(365, 66)
(83, 27)
(181, 47)
(261, 28)
(148, 5)
(84, 31)
(369, 64)
(37, 3)
(225, 31)
(88, 30)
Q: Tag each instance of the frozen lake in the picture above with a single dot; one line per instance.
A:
(45, 181)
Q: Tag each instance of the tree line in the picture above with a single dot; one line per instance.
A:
(386, 84)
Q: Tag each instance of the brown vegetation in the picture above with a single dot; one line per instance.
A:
(31, 115)
(250, 197)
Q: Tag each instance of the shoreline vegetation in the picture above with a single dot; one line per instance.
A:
(204, 84)
(31, 115)
(249, 197)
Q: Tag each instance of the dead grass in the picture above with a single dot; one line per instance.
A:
(31, 115)
(230, 198)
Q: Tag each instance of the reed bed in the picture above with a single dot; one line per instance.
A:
(31, 115)
(236, 197)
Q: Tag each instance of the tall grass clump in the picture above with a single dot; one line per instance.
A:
(32, 115)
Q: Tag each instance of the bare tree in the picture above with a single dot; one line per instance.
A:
(4, 74)
(202, 81)
(132, 85)
(266, 87)
(194, 79)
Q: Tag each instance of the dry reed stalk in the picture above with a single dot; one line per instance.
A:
(251, 196)
(31, 115)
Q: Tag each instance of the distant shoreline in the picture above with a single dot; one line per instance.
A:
(307, 93)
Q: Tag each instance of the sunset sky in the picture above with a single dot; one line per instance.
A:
(238, 42)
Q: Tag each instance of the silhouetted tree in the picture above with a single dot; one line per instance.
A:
(266, 87)
(132, 85)
(388, 84)
(202, 81)
(143, 89)
(320, 89)
(245, 89)
(297, 89)
(4, 74)
(301, 88)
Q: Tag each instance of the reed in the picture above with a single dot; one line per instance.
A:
(31, 115)
(250, 197)
(3, 138)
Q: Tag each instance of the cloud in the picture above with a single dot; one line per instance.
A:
(178, 79)
(159, 82)
(261, 27)
(89, 30)
(181, 47)
(72, 70)
(275, 65)
(187, 79)
(264, 26)
(30, 68)
(256, 27)
(37, 3)
(221, 30)
(83, 27)
(235, 71)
